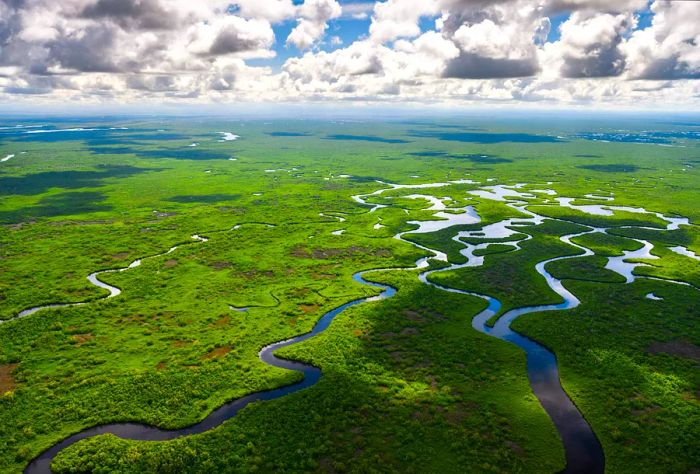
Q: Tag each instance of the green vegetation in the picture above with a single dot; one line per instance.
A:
(408, 385)
(586, 268)
(628, 365)
(405, 384)
(607, 245)
(511, 277)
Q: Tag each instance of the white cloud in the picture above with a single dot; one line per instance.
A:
(231, 35)
(315, 15)
(496, 39)
(139, 50)
(670, 47)
(590, 45)
(600, 6)
(486, 38)
(357, 11)
(399, 18)
(273, 11)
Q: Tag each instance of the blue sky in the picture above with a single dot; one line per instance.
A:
(350, 29)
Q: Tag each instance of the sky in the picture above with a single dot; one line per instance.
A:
(600, 54)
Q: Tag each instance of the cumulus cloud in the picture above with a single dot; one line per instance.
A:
(273, 11)
(399, 18)
(313, 22)
(591, 45)
(357, 11)
(153, 38)
(495, 39)
(474, 66)
(231, 34)
(133, 14)
(151, 83)
(600, 6)
(88, 50)
(423, 50)
(670, 47)
(366, 69)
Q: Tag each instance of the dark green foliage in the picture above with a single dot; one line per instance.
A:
(204, 198)
(38, 183)
(610, 168)
(486, 137)
(62, 204)
(364, 138)
(178, 154)
(642, 402)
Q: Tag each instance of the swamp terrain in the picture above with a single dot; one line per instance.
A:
(227, 235)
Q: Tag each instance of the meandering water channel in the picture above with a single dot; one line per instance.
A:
(142, 432)
(95, 280)
(583, 450)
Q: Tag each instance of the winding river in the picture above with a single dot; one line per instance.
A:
(142, 432)
(583, 450)
(584, 454)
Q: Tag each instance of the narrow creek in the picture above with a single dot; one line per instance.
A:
(142, 432)
(95, 280)
(583, 450)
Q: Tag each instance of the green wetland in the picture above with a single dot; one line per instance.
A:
(431, 295)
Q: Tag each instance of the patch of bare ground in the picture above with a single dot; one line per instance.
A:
(678, 348)
(516, 448)
(326, 465)
(19, 225)
(413, 316)
(298, 292)
(77, 223)
(232, 210)
(327, 253)
(7, 381)
(650, 410)
(323, 276)
(426, 413)
(81, 339)
(222, 321)
(459, 411)
(135, 318)
(253, 274)
(217, 353)
(170, 263)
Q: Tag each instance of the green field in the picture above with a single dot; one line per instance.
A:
(408, 385)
